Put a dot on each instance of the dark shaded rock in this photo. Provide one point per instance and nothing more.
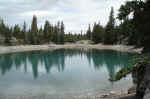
(142, 73)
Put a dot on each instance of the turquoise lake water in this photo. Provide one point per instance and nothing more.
(62, 73)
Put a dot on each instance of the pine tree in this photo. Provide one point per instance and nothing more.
(58, 32)
(24, 33)
(81, 35)
(41, 35)
(2, 27)
(89, 33)
(7, 35)
(34, 31)
(109, 30)
(62, 31)
(46, 31)
(97, 34)
(55, 34)
(16, 31)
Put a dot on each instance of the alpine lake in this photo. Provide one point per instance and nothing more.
(61, 73)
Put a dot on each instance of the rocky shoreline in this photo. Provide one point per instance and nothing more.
(114, 94)
(23, 48)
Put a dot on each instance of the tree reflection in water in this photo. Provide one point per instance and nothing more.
(49, 59)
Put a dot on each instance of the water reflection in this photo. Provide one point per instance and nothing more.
(49, 59)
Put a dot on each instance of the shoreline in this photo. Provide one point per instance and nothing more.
(50, 47)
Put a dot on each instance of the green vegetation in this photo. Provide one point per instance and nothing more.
(33, 35)
(136, 31)
(144, 58)
(119, 75)
(110, 36)
(98, 33)
(89, 33)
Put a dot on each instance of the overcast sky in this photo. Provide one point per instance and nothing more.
(76, 14)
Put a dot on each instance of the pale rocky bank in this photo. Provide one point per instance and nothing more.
(23, 48)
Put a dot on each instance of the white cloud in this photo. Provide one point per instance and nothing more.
(76, 14)
(38, 13)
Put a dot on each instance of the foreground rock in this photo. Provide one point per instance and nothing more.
(142, 73)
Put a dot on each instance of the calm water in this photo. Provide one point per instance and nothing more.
(61, 73)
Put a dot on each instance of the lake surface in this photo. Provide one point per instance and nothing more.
(61, 73)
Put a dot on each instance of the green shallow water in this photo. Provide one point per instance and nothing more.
(62, 73)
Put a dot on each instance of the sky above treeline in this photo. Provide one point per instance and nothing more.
(76, 14)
